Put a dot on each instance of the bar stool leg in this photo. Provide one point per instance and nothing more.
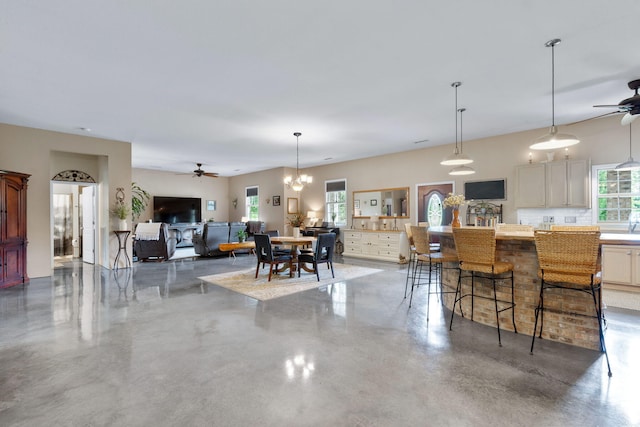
(495, 301)
(599, 317)
(539, 308)
(513, 306)
(456, 299)
(410, 269)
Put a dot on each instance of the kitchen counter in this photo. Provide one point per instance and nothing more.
(519, 249)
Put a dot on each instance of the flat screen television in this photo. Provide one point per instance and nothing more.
(486, 190)
(173, 210)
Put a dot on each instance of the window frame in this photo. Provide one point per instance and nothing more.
(596, 196)
(339, 205)
(251, 202)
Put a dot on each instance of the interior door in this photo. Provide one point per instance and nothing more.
(427, 193)
(88, 224)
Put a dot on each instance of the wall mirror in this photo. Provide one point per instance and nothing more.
(386, 202)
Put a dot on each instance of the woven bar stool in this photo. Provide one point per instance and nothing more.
(476, 248)
(569, 260)
(426, 256)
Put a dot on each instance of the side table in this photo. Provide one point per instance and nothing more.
(122, 236)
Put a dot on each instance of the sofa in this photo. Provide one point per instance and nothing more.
(157, 250)
(213, 233)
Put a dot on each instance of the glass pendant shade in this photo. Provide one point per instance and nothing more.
(554, 140)
(456, 159)
(462, 170)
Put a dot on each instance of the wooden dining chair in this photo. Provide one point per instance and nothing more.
(323, 254)
(265, 255)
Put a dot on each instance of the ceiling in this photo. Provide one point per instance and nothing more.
(227, 82)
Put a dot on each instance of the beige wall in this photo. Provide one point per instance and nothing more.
(158, 183)
(43, 154)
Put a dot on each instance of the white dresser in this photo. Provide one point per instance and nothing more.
(377, 244)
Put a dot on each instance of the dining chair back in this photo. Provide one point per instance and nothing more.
(266, 255)
(323, 254)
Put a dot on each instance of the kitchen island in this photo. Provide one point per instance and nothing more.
(519, 248)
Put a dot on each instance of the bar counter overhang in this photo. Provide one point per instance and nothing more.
(574, 326)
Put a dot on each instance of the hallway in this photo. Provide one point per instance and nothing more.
(153, 345)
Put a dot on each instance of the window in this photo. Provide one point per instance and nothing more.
(336, 202)
(434, 209)
(252, 204)
(618, 194)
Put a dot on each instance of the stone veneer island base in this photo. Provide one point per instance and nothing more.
(579, 329)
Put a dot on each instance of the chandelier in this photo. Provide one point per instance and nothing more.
(300, 181)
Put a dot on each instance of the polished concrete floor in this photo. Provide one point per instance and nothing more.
(153, 346)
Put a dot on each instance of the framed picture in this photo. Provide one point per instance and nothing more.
(292, 205)
(276, 200)
(374, 202)
(211, 205)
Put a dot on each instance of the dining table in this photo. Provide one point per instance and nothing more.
(294, 243)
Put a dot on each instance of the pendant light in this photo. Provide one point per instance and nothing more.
(300, 181)
(630, 163)
(553, 140)
(462, 169)
(457, 157)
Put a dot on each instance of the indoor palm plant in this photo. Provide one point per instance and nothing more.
(139, 200)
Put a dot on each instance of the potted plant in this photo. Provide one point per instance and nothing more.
(295, 221)
(242, 235)
(139, 200)
(121, 211)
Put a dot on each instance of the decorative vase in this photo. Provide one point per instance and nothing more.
(296, 232)
(456, 221)
(122, 224)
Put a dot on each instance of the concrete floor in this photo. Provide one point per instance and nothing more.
(82, 348)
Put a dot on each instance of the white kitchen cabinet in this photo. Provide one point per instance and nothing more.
(621, 267)
(561, 184)
(376, 244)
(567, 184)
(530, 185)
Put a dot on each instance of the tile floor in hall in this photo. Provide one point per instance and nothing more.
(82, 348)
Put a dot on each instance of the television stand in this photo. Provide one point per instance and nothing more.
(184, 232)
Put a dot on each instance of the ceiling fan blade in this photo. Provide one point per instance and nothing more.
(210, 174)
(595, 117)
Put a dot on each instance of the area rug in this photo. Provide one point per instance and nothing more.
(244, 281)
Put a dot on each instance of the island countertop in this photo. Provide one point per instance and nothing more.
(605, 238)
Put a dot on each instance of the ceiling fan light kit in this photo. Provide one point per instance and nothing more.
(553, 140)
(297, 183)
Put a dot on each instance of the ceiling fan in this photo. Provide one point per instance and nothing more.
(199, 172)
(629, 106)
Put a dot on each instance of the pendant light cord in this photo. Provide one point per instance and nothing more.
(553, 84)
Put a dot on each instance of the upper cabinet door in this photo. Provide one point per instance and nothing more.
(568, 184)
(578, 184)
(530, 186)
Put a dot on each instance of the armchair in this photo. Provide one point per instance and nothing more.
(157, 250)
(213, 233)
